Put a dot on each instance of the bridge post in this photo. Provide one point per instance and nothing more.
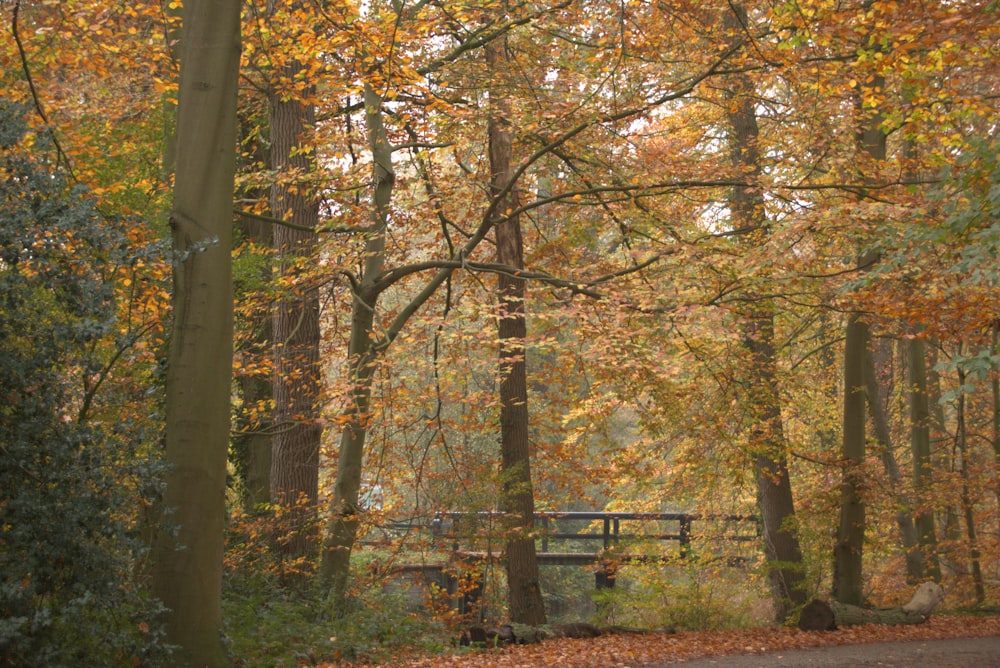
(465, 582)
(684, 537)
(606, 574)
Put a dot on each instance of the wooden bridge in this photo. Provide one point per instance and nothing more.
(473, 538)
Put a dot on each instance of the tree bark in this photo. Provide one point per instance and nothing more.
(920, 447)
(524, 597)
(296, 331)
(342, 522)
(762, 399)
(877, 395)
(848, 551)
(187, 565)
(995, 386)
(251, 453)
(254, 444)
(968, 510)
(828, 616)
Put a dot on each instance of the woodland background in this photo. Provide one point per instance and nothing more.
(712, 257)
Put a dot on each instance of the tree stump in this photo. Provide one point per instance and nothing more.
(817, 616)
(827, 616)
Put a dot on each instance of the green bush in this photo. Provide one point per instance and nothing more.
(68, 487)
(686, 596)
(268, 624)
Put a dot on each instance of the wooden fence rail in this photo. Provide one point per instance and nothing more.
(461, 534)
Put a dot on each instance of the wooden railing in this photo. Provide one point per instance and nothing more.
(469, 537)
(609, 535)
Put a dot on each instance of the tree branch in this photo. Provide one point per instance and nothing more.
(323, 229)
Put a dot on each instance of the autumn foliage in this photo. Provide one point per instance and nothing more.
(707, 194)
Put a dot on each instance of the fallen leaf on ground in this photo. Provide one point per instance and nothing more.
(636, 651)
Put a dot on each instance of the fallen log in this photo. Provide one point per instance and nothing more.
(522, 634)
(820, 615)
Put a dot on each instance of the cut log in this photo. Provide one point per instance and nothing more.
(574, 630)
(928, 595)
(822, 616)
(523, 634)
(817, 616)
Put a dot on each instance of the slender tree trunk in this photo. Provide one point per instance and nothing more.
(774, 490)
(524, 596)
(962, 457)
(251, 453)
(995, 385)
(920, 446)
(762, 397)
(187, 565)
(174, 20)
(920, 420)
(253, 444)
(848, 553)
(880, 424)
(297, 377)
(342, 523)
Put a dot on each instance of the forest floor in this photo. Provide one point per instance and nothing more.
(707, 648)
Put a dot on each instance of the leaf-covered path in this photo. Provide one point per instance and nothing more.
(634, 651)
(939, 653)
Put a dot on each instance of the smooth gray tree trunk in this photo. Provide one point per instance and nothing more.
(187, 566)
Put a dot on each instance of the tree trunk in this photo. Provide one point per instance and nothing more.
(296, 331)
(828, 616)
(187, 565)
(342, 523)
(251, 454)
(252, 446)
(524, 597)
(995, 385)
(962, 457)
(877, 396)
(920, 446)
(762, 399)
(848, 551)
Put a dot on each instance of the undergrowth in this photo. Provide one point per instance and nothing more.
(691, 596)
(270, 625)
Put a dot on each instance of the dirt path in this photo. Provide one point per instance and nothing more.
(952, 653)
(944, 641)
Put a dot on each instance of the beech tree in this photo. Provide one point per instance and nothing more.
(524, 594)
(297, 429)
(762, 400)
(187, 559)
(421, 279)
(698, 211)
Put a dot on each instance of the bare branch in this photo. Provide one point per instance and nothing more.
(323, 229)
